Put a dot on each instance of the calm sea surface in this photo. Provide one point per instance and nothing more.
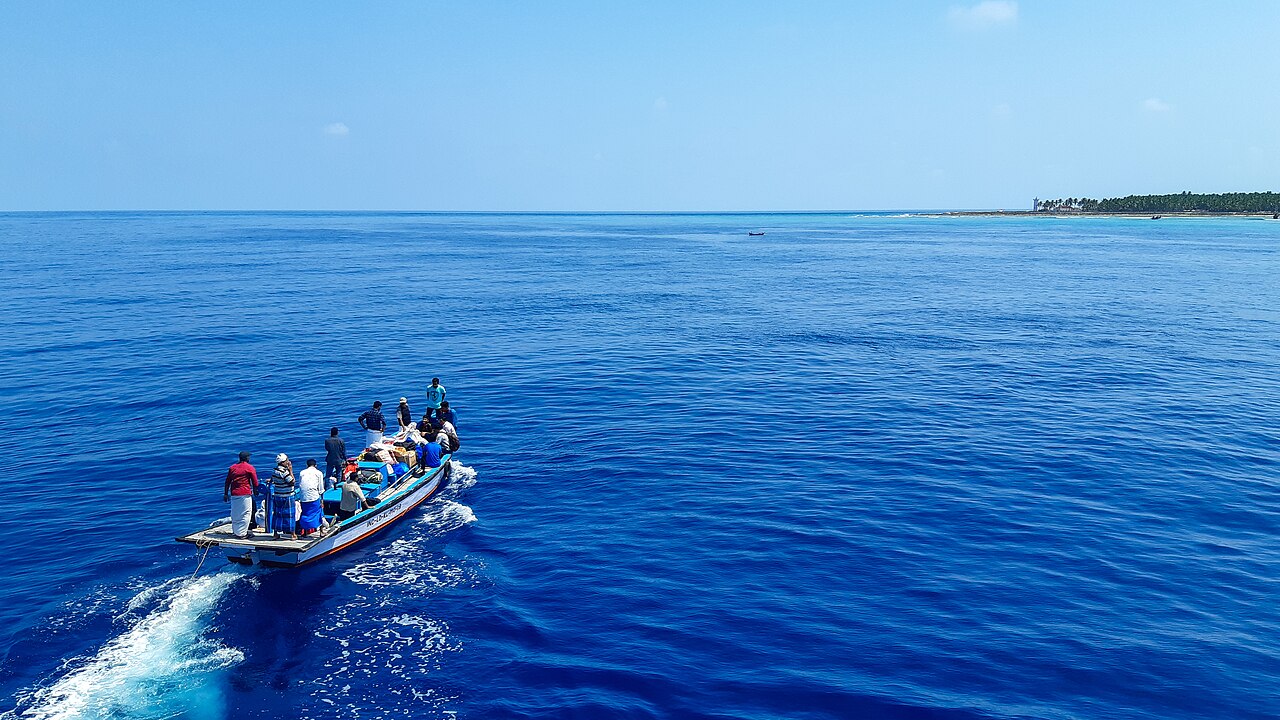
(859, 467)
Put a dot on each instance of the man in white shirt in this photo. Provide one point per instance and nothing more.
(310, 506)
(311, 482)
(447, 429)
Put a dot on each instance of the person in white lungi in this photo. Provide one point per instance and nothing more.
(241, 484)
(373, 424)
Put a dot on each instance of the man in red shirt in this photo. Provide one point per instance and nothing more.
(239, 490)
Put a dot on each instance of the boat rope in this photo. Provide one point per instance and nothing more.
(207, 547)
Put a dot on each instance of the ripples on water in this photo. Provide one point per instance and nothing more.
(858, 467)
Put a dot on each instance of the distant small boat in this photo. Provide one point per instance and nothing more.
(755, 234)
(1155, 217)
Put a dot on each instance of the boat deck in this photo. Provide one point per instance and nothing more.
(388, 501)
(221, 535)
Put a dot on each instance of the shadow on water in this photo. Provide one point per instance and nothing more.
(274, 624)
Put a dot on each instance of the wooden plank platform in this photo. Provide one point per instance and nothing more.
(222, 535)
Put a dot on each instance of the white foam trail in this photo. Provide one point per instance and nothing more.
(405, 563)
(402, 565)
(147, 595)
(397, 651)
(461, 477)
(152, 670)
(448, 516)
(77, 611)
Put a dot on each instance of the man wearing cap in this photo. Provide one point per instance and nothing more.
(373, 424)
(241, 484)
(403, 414)
(435, 394)
(284, 510)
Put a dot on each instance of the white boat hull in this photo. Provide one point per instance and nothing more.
(268, 552)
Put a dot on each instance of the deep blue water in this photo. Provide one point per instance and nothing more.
(859, 467)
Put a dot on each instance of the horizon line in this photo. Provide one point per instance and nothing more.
(511, 212)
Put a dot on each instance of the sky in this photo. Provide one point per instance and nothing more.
(638, 106)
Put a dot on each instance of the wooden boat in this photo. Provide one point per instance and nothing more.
(755, 234)
(396, 494)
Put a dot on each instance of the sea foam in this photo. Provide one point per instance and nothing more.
(160, 667)
(407, 561)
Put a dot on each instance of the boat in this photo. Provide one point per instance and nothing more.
(755, 234)
(392, 481)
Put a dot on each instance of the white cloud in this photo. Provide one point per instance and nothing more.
(336, 129)
(986, 14)
(1155, 105)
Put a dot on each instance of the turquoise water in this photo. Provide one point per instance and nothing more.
(862, 466)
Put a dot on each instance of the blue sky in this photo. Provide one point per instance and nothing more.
(631, 106)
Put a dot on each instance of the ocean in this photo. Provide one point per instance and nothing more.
(862, 466)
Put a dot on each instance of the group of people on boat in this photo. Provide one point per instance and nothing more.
(296, 502)
(374, 424)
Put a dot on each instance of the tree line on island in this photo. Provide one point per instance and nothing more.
(1255, 202)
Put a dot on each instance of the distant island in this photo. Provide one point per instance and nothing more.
(1184, 203)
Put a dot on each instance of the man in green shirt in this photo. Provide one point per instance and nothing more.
(435, 394)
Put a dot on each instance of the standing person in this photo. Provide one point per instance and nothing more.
(241, 484)
(404, 415)
(310, 491)
(373, 424)
(435, 394)
(283, 485)
(335, 453)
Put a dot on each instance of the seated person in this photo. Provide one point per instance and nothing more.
(443, 441)
(429, 454)
(353, 499)
(444, 414)
(444, 427)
